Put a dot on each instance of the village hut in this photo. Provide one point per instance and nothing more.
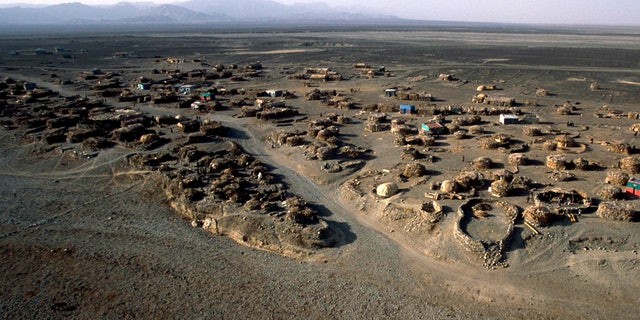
(616, 178)
(294, 141)
(488, 143)
(549, 145)
(518, 159)
(594, 86)
(564, 110)
(615, 210)
(387, 189)
(467, 120)
(460, 134)
(410, 154)
(482, 163)
(562, 176)
(581, 163)
(630, 164)
(449, 186)
(350, 152)
(500, 188)
(432, 211)
(452, 127)
(324, 134)
(557, 162)
(469, 179)
(522, 182)
(422, 140)
(541, 92)
(481, 210)
(149, 139)
(619, 147)
(501, 139)
(476, 129)
(553, 196)
(609, 192)
(538, 216)
(324, 153)
(564, 141)
(531, 131)
(635, 127)
(414, 170)
(502, 174)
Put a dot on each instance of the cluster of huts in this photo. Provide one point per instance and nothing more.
(321, 140)
(204, 185)
(319, 74)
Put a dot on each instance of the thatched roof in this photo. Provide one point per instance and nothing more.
(414, 170)
(448, 186)
(564, 140)
(503, 174)
(500, 188)
(538, 216)
(531, 131)
(518, 159)
(556, 162)
(615, 210)
(630, 164)
(468, 179)
(609, 192)
(482, 163)
(617, 178)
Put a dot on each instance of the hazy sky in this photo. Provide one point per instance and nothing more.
(625, 12)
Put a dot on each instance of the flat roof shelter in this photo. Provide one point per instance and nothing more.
(633, 187)
(207, 96)
(508, 119)
(186, 89)
(391, 92)
(432, 127)
(407, 109)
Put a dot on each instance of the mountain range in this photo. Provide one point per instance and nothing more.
(190, 12)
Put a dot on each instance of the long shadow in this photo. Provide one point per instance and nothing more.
(236, 134)
(343, 229)
(321, 210)
(517, 240)
(534, 162)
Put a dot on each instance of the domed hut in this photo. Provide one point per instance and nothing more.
(630, 164)
(387, 189)
(564, 141)
(557, 162)
(518, 159)
(500, 188)
(414, 170)
(538, 216)
(616, 178)
(448, 186)
(502, 174)
(615, 210)
(531, 131)
(468, 179)
(482, 163)
(609, 192)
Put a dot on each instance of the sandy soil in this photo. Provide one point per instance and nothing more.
(93, 237)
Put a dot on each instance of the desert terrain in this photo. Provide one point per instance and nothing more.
(238, 173)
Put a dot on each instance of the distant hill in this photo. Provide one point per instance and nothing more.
(190, 12)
